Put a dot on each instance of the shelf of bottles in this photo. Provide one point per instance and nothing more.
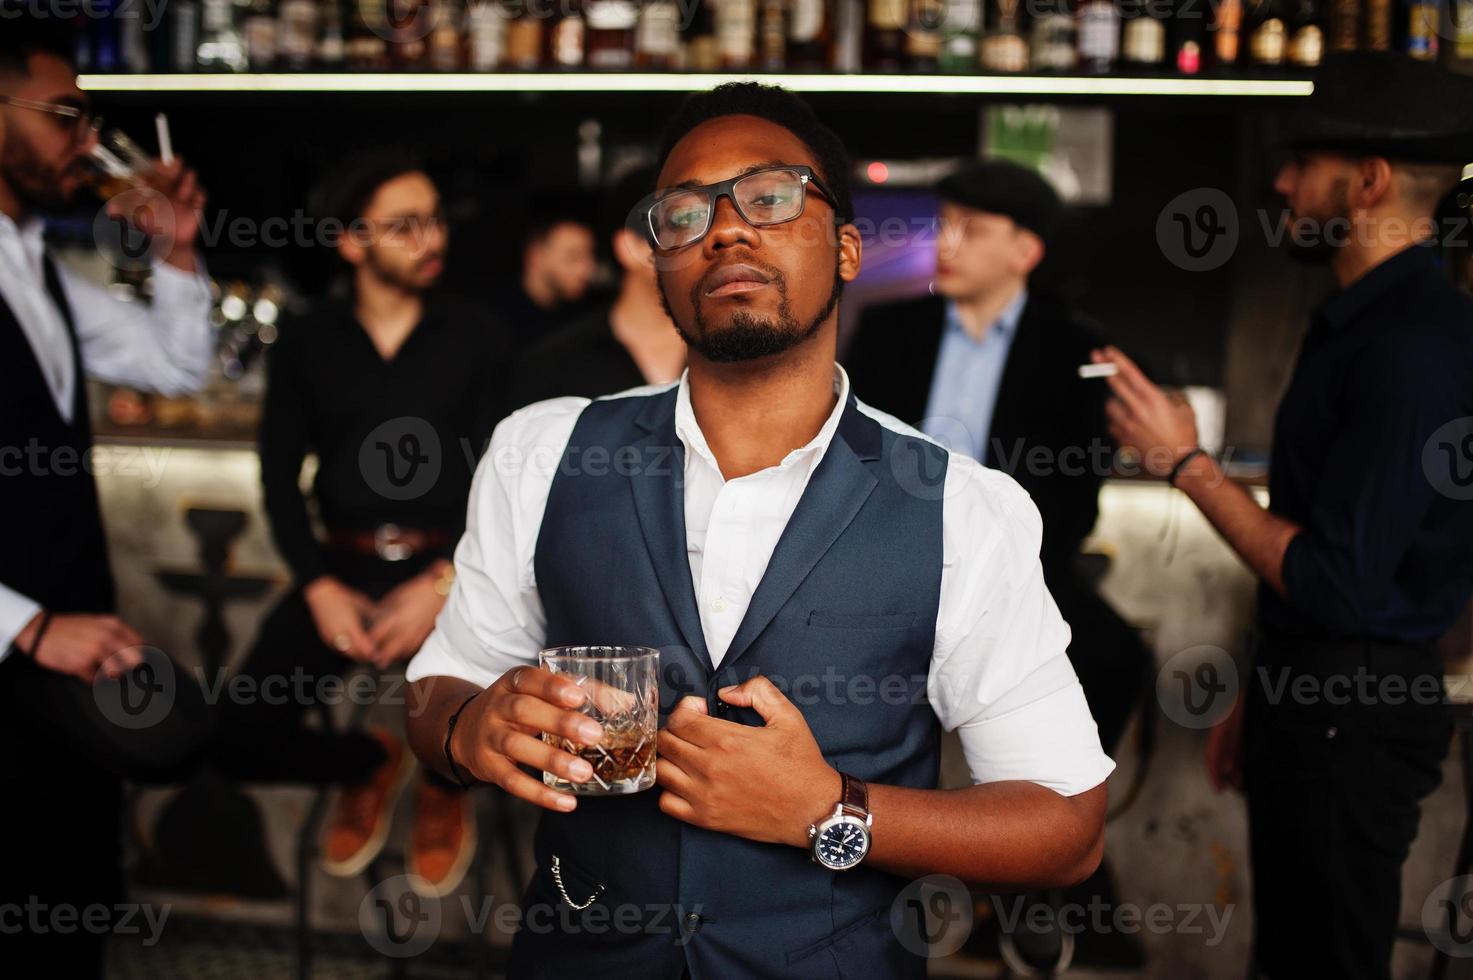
(1064, 47)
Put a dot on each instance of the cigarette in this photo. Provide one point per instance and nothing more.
(166, 144)
(1106, 370)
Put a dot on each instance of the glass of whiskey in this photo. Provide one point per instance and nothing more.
(623, 690)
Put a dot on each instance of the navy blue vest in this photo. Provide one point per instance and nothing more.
(843, 620)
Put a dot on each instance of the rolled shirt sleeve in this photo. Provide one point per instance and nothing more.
(493, 620)
(1000, 674)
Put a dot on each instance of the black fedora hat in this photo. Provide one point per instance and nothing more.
(1387, 104)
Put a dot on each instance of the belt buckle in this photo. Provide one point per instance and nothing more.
(386, 543)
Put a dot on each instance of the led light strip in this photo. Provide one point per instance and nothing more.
(686, 82)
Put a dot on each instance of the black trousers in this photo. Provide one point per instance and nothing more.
(1342, 741)
(60, 846)
(290, 674)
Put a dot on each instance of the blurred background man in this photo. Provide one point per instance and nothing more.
(559, 262)
(58, 630)
(395, 387)
(620, 345)
(1363, 553)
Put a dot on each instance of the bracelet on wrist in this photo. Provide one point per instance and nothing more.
(40, 634)
(455, 770)
(1181, 464)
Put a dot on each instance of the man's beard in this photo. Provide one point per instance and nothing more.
(747, 336)
(406, 280)
(30, 182)
(1330, 233)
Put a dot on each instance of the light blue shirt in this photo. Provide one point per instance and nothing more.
(967, 376)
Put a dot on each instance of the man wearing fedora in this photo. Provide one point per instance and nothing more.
(1363, 554)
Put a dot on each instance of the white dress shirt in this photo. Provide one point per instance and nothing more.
(166, 347)
(998, 673)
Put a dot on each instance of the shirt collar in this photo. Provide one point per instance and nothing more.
(690, 433)
(1346, 304)
(1004, 326)
(30, 233)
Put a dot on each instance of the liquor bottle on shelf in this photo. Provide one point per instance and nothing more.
(183, 34)
(366, 47)
(1055, 42)
(100, 42)
(1421, 40)
(961, 25)
(1227, 25)
(296, 34)
(772, 35)
(1376, 24)
(923, 35)
(523, 37)
(330, 50)
(612, 26)
(1267, 36)
(447, 37)
(1343, 23)
(657, 38)
(884, 34)
(567, 36)
(1099, 35)
(485, 28)
(736, 33)
(220, 44)
(1461, 15)
(259, 31)
(1004, 48)
(1143, 38)
(699, 50)
(811, 34)
(1186, 37)
(410, 23)
(1306, 35)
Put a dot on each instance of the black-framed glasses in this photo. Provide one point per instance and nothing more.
(81, 119)
(682, 216)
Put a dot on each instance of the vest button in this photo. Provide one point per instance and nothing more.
(693, 921)
(722, 707)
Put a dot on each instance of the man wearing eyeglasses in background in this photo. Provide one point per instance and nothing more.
(764, 530)
(57, 628)
(395, 387)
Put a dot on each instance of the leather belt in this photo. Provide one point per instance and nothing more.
(389, 542)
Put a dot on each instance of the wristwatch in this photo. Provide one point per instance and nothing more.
(841, 840)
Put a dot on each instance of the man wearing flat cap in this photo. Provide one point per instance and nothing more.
(988, 366)
(1365, 553)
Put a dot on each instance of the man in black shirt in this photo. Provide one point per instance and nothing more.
(395, 388)
(1366, 552)
(618, 346)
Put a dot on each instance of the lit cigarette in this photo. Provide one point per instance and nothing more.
(1107, 370)
(166, 144)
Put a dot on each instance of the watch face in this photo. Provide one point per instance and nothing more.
(842, 844)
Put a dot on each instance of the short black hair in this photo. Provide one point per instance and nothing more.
(552, 208)
(781, 107)
(345, 192)
(22, 34)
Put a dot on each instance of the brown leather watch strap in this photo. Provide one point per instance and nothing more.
(855, 795)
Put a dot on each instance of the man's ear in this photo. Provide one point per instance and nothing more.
(631, 251)
(1030, 250)
(1372, 181)
(851, 251)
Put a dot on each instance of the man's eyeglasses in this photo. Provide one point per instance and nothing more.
(771, 196)
(81, 120)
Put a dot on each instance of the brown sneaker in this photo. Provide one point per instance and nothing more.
(358, 824)
(442, 840)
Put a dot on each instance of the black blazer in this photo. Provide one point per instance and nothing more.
(1048, 428)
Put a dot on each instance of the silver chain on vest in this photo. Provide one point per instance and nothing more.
(557, 877)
